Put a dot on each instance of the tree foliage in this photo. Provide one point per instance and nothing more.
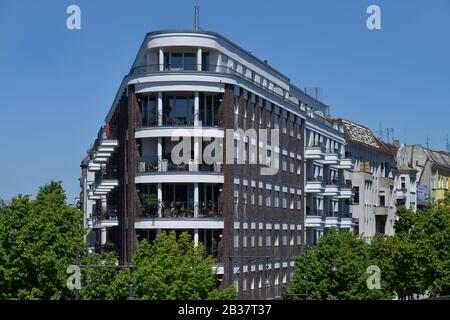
(417, 259)
(38, 241)
(349, 281)
(170, 269)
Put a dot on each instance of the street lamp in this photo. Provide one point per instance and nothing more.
(131, 285)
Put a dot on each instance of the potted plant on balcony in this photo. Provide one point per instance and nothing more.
(151, 205)
(211, 209)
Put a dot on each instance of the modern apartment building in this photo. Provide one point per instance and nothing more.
(433, 171)
(262, 171)
(373, 180)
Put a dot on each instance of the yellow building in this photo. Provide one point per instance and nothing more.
(433, 171)
(440, 181)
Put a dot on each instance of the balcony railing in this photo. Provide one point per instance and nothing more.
(248, 75)
(177, 121)
(314, 212)
(153, 164)
(111, 213)
(108, 173)
(186, 209)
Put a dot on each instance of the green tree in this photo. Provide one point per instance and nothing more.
(416, 260)
(170, 269)
(97, 277)
(349, 281)
(38, 240)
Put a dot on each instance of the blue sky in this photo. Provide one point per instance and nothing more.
(57, 85)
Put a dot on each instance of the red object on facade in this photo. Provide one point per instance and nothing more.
(107, 131)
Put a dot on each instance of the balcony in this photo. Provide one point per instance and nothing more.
(184, 215)
(105, 144)
(105, 219)
(245, 74)
(315, 219)
(314, 152)
(154, 165)
(151, 170)
(401, 193)
(330, 158)
(345, 163)
(331, 189)
(315, 185)
(345, 192)
(332, 221)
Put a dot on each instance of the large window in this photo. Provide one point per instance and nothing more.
(209, 109)
(148, 110)
(178, 110)
(180, 61)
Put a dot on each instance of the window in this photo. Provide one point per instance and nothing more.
(291, 127)
(283, 163)
(236, 238)
(252, 196)
(260, 232)
(277, 238)
(148, 111)
(205, 61)
(179, 108)
(284, 238)
(364, 166)
(180, 61)
(275, 121)
(283, 125)
(252, 239)
(291, 165)
(284, 200)
(276, 200)
(268, 118)
(292, 237)
(277, 274)
(299, 131)
(260, 197)
(382, 200)
(356, 196)
(267, 198)
(403, 182)
(209, 109)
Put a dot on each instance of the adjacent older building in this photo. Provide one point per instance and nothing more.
(280, 180)
(373, 180)
(433, 171)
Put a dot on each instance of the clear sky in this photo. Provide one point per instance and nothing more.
(58, 84)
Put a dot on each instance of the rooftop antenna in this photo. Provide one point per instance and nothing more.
(380, 132)
(197, 17)
(388, 131)
(428, 142)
